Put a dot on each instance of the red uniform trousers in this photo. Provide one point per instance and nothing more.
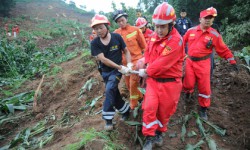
(198, 71)
(159, 104)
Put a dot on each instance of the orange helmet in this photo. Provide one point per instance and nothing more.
(163, 14)
(211, 11)
(140, 22)
(99, 19)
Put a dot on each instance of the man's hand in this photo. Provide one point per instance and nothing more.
(124, 70)
(142, 73)
(130, 65)
(235, 68)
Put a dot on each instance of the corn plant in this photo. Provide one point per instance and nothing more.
(17, 102)
(89, 135)
(32, 137)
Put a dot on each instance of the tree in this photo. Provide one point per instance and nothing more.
(5, 7)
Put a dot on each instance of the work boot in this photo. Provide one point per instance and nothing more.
(149, 143)
(158, 139)
(125, 116)
(203, 113)
(109, 125)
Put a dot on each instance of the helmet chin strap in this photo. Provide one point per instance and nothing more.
(106, 25)
(170, 28)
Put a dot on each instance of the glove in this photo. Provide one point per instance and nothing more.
(124, 70)
(235, 68)
(130, 65)
(142, 73)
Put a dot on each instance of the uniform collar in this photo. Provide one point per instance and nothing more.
(208, 29)
(166, 37)
(127, 26)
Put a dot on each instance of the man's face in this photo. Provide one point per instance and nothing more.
(138, 14)
(101, 30)
(122, 22)
(143, 29)
(183, 14)
(161, 30)
(207, 21)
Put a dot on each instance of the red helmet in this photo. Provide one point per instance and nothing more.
(214, 11)
(140, 22)
(211, 11)
(163, 14)
(99, 19)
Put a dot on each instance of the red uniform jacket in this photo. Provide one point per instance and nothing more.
(197, 40)
(165, 56)
(148, 34)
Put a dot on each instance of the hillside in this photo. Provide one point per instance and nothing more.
(72, 82)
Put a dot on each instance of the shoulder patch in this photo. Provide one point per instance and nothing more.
(215, 33)
(192, 34)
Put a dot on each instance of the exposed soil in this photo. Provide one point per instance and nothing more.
(229, 108)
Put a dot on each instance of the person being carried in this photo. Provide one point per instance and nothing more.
(108, 48)
(164, 58)
(202, 39)
(136, 44)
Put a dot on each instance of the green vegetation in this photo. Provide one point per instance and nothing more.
(109, 140)
(6, 6)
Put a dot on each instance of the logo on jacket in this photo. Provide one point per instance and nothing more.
(113, 48)
(166, 50)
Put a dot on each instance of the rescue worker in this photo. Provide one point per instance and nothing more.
(201, 40)
(164, 58)
(15, 31)
(142, 24)
(183, 23)
(6, 28)
(136, 44)
(139, 15)
(216, 27)
(108, 48)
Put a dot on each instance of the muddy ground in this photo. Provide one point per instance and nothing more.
(229, 107)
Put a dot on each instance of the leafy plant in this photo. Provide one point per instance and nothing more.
(17, 102)
(91, 134)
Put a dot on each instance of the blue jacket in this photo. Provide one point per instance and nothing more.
(183, 25)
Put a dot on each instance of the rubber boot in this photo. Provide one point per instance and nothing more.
(158, 139)
(109, 125)
(203, 113)
(149, 143)
(125, 116)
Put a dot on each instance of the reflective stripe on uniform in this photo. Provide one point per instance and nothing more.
(108, 115)
(134, 96)
(204, 96)
(230, 59)
(124, 108)
(215, 33)
(152, 123)
(131, 34)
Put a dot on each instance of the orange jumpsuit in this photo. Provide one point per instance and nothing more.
(198, 63)
(135, 43)
(164, 57)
